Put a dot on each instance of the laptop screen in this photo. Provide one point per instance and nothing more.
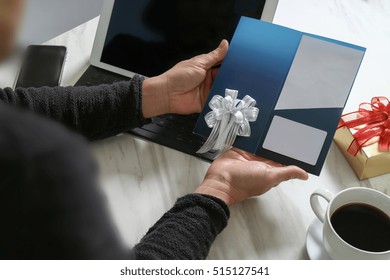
(150, 36)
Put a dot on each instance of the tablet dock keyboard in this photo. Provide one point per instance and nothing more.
(174, 131)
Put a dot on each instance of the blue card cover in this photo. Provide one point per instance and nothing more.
(300, 82)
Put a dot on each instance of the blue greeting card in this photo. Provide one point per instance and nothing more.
(300, 83)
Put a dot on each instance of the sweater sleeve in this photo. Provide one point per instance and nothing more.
(95, 112)
(51, 205)
(186, 231)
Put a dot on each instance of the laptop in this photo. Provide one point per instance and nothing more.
(148, 37)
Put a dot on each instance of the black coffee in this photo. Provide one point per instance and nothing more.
(363, 226)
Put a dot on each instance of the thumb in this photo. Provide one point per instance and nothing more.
(216, 56)
(285, 173)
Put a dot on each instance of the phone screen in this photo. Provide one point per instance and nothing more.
(41, 66)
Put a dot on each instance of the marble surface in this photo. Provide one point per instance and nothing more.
(142, 180)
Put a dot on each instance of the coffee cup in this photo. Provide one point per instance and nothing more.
(356, 223)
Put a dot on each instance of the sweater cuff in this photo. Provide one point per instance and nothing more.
(186, 231)
(220, 210)
(136, 93)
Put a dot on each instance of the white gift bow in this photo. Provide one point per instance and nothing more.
(229, 118)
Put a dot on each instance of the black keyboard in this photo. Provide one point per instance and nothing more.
(173, 131)
(94, 76)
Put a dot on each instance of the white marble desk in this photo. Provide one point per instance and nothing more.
(142, 180)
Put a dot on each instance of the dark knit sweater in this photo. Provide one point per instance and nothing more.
(51, 206)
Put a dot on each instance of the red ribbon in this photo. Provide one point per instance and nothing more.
(372, 125)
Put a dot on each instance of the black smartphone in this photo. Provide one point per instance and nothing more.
(41, 66)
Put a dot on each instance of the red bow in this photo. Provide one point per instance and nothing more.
(372, 123)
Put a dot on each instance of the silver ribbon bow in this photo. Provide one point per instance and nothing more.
(229, 118)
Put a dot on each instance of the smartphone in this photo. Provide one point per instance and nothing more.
(41, 66)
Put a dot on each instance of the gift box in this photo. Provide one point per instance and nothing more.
(364, 138)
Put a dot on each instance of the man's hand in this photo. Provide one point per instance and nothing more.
(237, 175)
(184, 88)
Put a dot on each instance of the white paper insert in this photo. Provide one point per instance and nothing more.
(295, 140)
(321, 75)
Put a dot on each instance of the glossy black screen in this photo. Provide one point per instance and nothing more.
(150, 36)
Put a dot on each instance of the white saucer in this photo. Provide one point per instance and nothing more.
(314, 245)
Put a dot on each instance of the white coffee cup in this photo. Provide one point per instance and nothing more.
(335, 246)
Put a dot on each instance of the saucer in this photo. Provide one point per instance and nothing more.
(314, 245)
